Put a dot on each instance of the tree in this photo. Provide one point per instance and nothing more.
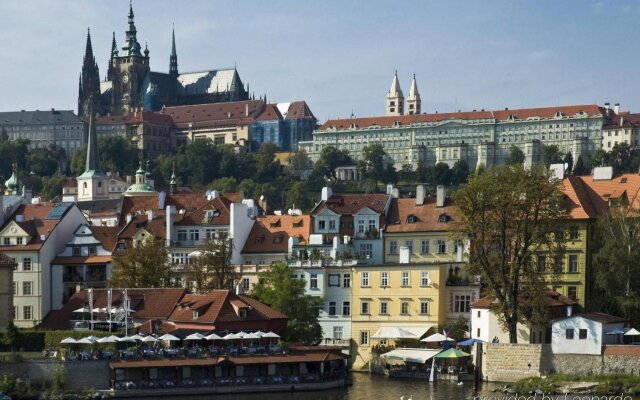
(580, 168)
(226, 184)
(371, 166)
(10, 336)
(515, 156)
(3, 135)
(45, 161)
(459, 172)
(406, 173)
(568, 160)
(279, 289)
(510, 216)
(115, 152)
(329, 159)
(52, 186)
(551, 155)
(616, 268)
(298, 196)
(212, 269)
(268, 167)
(298, 165)
(441, 174)
(145, 265)
(623, 159)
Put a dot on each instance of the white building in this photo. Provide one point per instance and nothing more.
(586, 333)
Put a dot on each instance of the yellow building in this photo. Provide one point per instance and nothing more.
(6, 290)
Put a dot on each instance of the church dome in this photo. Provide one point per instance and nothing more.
(12, 183)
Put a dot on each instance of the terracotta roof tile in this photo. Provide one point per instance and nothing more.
(216, 114)
(349, 204)
(426, 218)
(299, 110)
(107, 235)
(555, 299)
(602, 317)
(271, 233)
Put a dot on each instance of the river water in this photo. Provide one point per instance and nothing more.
(372, 387)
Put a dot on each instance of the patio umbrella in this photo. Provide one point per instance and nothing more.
(68, 340)
(149, 339)
(231, 336)
(617, 331)
(127, 339)
(453, 353)
(169, 338)
(270, 335)
(438, 337)
(241, 334)
(213, 336)
(470, 342)
(86, 340)
(251, 337)
(108, 339)
(632, 332)
(259, 333)
(83, 309)
(195, 336)
(137, 337)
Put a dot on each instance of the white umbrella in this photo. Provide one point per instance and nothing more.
(149, 339)
(241, 334)
(100, 310)
(169, 338)
(632, 332)
(94, 338)
(259, 333)
(108, 339)
(86, 340)
(68, 340)
(213, 336)
(84, 309)
(127, 339)
(615, 332)
(438, 337)
(195, 336)
(196, 253)
(137, 337)
(231, 336)
(271, 335)
(251, 336)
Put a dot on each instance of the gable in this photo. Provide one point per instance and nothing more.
(13, 230)
(326, 213)
(366, 211)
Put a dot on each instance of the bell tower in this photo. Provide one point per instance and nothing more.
(395, 98)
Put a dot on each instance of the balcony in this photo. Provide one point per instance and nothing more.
(322, 263)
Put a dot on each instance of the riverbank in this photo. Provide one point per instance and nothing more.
(575, 384)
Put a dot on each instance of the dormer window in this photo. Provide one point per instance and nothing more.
(277, 239)
(412, 219)
(443, 218)
(275, 224)
(195, 314)
(242, 313)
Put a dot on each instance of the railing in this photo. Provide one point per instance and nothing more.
(321, 263)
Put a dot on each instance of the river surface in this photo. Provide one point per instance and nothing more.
(371, 387)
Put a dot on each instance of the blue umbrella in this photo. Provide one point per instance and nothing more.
(470, 342)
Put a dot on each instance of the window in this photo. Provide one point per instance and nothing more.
(182, 236)
(384, 307)
(573, 263)
(334, 280)
(424, 307)
(26, 264)
(15, 288)
(384, 279)
(332, 308)
(364, 308)
(364, 337)
(542, 263)
(424, 279)
(242, 313)
(364, 279)
(27, 288)
(393, 247)
(361, 226)
(27, 312)
(479, 314)
(574, 234)
(346, 280)
(404, 308)
(409, 244)
(76, 251)
(337, 332)
(332, 224)
(461, 303)
(404, 278)
(195, 314)
(194, 235)
(424, 247)
(366, 249)
(582, 334)
(18, 240)
(346, 308)
(245, 283)
(442, 246)
(313, 281)
(572, 292)
(557, 264)
(569, 334)
(92, 250)
(7, 241)
(14, 313)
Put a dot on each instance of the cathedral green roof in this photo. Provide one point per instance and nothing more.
(13, 182)
(139, 188)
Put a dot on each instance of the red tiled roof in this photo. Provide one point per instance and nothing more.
(602, 317)
(554, 299)
(107, 235)
(349, 204)
(269, 113)
(503, 115)
(220, 208)
(216, 114)
(271, 233)
(70, 183)
(427, 216)
(298, 110)
(136, 118)
(6, 260)
(155, 227)
(589, 198)
(34, 223)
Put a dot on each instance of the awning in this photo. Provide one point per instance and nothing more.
(400, 332)
(420, 356)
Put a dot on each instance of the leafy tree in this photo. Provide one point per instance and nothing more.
(13, 151)
(441, 174)
(212, 269)
(77, 164)
(10, 336)
(623, 159)
(616, 269)
(515, 156)
(115, 152)
(3, 135)
(568, 160)
(371, 166)
(406, 173)
(299, 164)
(45, 161)
(459, 172)
(510, 215)
(52, 186)
(278, 289)
(580, 168)
(598, 159)
(145, 265)
(551, 155)
(268, 167)
(298, 196)
(226, 184)
(390, 175)
(329, 159)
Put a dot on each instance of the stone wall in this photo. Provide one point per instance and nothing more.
(505, 362)
(79, 374)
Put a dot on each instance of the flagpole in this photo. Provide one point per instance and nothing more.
(91, 307)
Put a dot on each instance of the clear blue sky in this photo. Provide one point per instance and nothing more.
(340, 55)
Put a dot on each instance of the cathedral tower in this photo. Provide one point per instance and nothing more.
(92, 184)
(395, 98)
(413, 101)
(173, 58)
(89, 85)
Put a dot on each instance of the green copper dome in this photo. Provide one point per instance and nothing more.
(12, 183)
(139, 188)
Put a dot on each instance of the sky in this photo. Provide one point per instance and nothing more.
(339, 55)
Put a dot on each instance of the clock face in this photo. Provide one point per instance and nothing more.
(13, 229)
(125, 78)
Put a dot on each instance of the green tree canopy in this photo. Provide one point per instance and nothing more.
(329, 159)
(510, 215)
(52, 186)
(278, 289)
(145, 265)
(371, 166)
(515, 156)
(45, 161)
(212, 269)
(551, 154)
(459, 172)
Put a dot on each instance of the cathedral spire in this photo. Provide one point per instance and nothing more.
(114, 46)
(88, 51)
(131, 46)
(173, 59)
(89, 86)
(395, 98)
(413, 101)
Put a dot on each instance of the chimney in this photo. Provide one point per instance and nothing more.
(149, 215)
(616, 109)
(19, 218)
(239, 289)
(246, 109)
(569, 311)
(419, 195)
(129, 217)
(162, 199)
(389, 188)
(405, 255)
(440, 195)
(169, 217)
(606, 108)
(326, 193)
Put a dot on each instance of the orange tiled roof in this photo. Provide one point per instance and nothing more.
(589, 198)
(299, 109)
(61, 260)
(216, 114)
(107, 235)
(554, 299)
(426, 216)
(349, 204)
(271, 233)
